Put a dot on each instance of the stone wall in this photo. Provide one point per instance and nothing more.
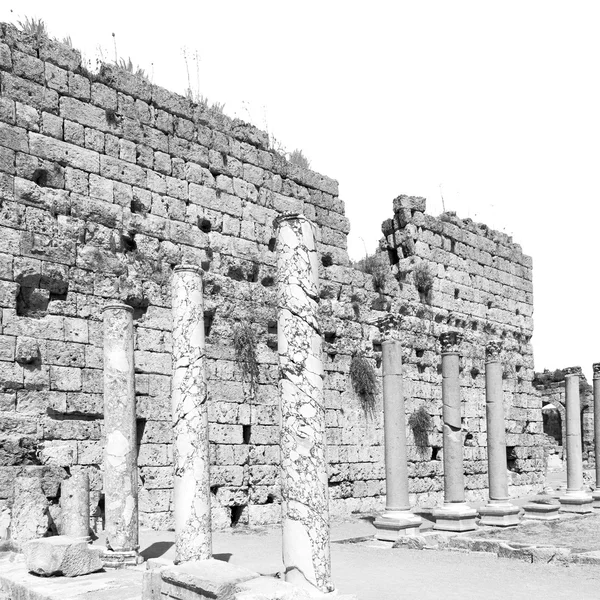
(106, 183)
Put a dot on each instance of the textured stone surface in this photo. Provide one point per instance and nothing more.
(75, 506)
(29, 518)
(61, 555)
(305, 502)
(190, 419)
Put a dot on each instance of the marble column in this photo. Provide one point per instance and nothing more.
(499, 511)
(305, 499)
(455, 514)
(193, 537)
(120, 451)
(75, 506)
(596, 383)
(397, 519)
(575, 499)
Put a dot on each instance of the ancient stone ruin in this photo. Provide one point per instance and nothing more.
(107, 185)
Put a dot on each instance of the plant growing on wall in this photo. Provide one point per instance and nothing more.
(374, 265)
(244, 345)
(420, 422)
(423, 278)
(297, 158)
(364, 382)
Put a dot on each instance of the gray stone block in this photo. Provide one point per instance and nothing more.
(61, 555)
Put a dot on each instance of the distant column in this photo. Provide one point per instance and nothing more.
(305, 499)
(120, 451)
(193, 536)
(575, 499)
(397, 519)
(596, 382)
(499, 511)
(75, 506)
(455, 514)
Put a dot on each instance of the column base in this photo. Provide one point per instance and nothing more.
(596, 498)
(395, 523)
(457, 516)
(576, 502)
(499, 514)
(541, 512)
(120, 560)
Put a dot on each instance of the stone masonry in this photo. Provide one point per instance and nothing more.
(107, 183)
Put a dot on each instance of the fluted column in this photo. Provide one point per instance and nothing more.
(120, 451)
(305, 499)
(75, 506)
(499, 511)
(193, 538)
(596, 384)
(397, 518)
(575, 498)
(455, 514)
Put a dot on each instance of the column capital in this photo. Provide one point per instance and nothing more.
(572, 371)
(388, 326)
(493, 350)
(596, 368)
(188, 267)
(117, 306)
(289, 216)
(451, 340)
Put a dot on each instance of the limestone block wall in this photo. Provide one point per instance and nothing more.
(106, 184)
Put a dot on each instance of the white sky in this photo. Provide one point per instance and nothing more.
(496, 102)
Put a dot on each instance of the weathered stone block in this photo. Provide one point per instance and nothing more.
(29, 518)
(61, 555)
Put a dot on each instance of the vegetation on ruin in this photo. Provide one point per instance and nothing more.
(558, 375)
(297, 158)
(33, 26)
(364, 382)
(244, 345)
(193, 93)
(374, 265)
(423, 278)
(420, 422)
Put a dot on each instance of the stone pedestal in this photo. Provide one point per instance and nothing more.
(596, 382)
(75, 506)
(575, 500)
(305, 500)
(541, 512)
(455, 514)
(193, 540)
(397, 519)
(120, 452)
(499, 511)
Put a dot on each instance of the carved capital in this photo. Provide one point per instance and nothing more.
(389, 326)
(493, 350)
(572, 371)
(596, 367)
(451, 340)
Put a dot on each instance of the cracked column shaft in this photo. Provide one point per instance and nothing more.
(120, 451)
(573, 418)
(596, 383)
(193, 536)
(75, 506)
(305, 499)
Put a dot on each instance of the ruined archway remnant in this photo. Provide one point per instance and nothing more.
(397, 519)
(455, 514)
(193, 540)
(120, 451)
(305, 499)
(575, 499)
(596, 384)
(499, 511)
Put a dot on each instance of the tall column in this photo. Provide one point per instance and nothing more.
(455, 514)
(120, 451)
(499, 511)
(575, 498)
(193, 538)
(397, 519)
(596, 383)
(305, 499)
(75, 506)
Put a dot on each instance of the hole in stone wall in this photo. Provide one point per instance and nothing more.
(205, 225)
(272, 327)
(377, 347)
(137, 207)
(329, 337)
(272, 343)
(253, 273)
(419, 352)
(439, 318)
(434, 452)
(214, 489)
(40, 177)
(272, 244)
(407, 249)
(456, 293)
(511, 459)
(489, 304)
(518, 368)
(378, 360)
(128, 242)
(517, 312)
(474, 372)
(139, 305)
(236, 273)
(209, 316)
(246, 430)
(421, 367)
(326, 260)
(236, 514)
(393, 256)
(205, 265)
(474, 326)
(270, 499)
(267, 281)
(452, 245)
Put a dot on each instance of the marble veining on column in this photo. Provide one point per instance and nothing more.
(120, 452)
(305, 500)
(190, 419)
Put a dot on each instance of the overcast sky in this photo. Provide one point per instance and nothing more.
(494, 105)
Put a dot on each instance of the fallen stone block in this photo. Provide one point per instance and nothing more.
(61, 555)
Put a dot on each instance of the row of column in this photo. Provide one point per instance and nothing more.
(305, 502)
